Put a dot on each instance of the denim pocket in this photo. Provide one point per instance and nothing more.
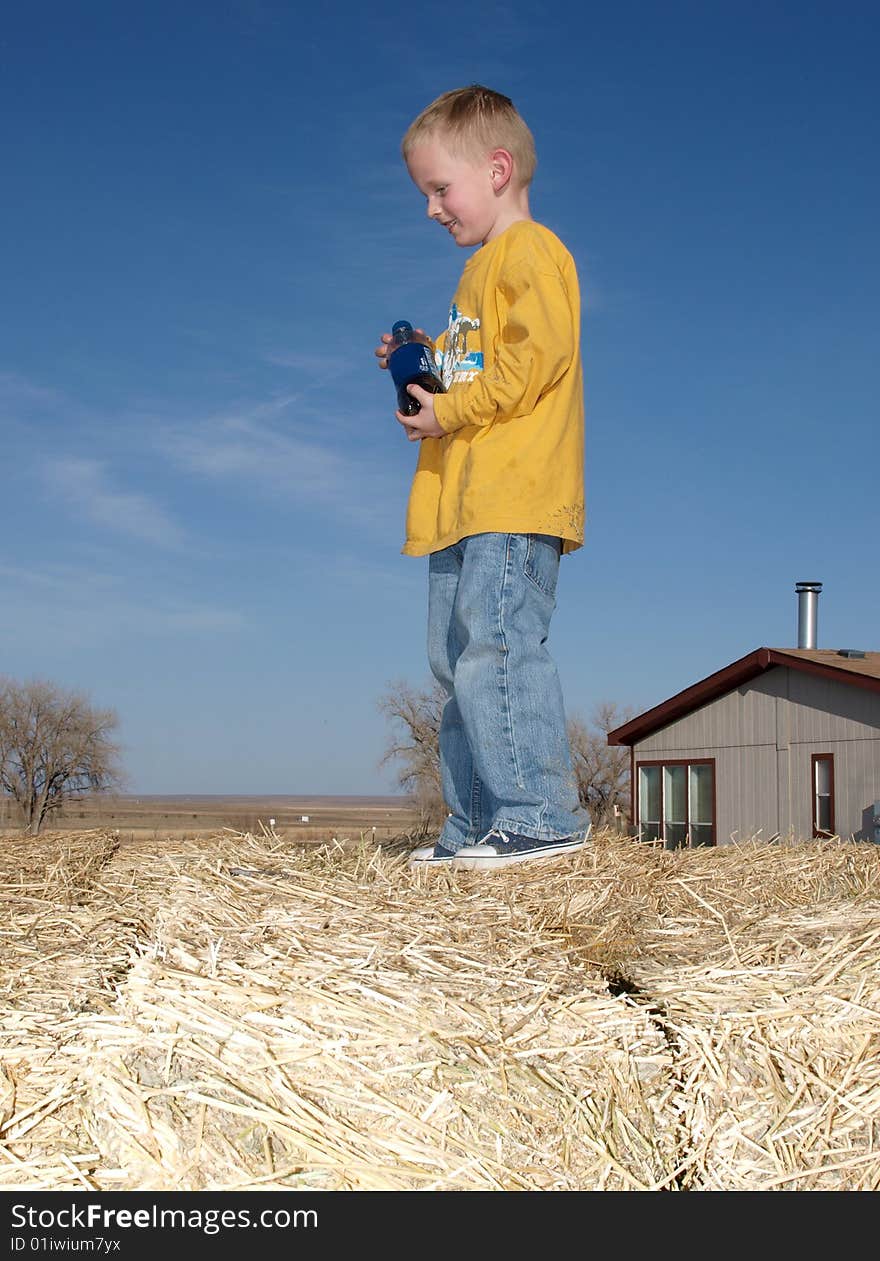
(541, 564)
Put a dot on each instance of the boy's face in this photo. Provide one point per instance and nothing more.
(460, 192)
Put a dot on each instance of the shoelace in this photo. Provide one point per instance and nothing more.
(505, 839)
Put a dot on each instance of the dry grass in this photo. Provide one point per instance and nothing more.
(244, 1012)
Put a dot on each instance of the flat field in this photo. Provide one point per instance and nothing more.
(296, 818)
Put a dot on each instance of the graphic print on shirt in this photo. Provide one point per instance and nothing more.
(460, 363)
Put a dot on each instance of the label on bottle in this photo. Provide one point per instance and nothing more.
(411, 360)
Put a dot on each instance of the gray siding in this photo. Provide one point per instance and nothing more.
(762, 736)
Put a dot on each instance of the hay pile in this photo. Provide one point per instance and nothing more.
(244, 1013)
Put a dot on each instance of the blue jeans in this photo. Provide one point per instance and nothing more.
(504, 755)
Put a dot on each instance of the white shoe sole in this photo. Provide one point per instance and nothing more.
(493, 858)
(424, 857)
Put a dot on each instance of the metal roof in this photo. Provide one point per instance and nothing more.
(826, 662)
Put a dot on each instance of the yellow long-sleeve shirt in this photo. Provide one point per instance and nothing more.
(512, 458)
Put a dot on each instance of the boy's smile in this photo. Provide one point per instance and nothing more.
(462, 194)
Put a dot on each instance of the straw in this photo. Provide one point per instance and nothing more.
(235, 1011)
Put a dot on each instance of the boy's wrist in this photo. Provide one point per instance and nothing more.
(441, 406)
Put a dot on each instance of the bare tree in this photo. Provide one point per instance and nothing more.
(54, 747)
(415, 746)
(602, 770)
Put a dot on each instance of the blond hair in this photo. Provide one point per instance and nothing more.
(473, 121)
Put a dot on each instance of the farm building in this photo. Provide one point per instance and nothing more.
(784, 742)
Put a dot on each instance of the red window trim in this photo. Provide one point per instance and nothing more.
(814, 758)
(676, 761)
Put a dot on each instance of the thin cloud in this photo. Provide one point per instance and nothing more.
(60, 580)
(319, 367)
(247, 448)
(97, 605)
(86, 488)
(17, 391)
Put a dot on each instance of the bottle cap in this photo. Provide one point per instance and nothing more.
(402, 326)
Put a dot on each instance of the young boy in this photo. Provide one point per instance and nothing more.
(498, 492)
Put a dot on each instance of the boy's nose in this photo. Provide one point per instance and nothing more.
(433, 208)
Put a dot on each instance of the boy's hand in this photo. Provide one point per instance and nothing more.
(381, 351)
(423, 424)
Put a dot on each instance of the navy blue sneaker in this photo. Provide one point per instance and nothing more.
(430, 855)
(503, 849)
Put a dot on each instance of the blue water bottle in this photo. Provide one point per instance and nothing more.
(410, 358)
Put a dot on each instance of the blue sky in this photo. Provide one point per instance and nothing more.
(205, 227)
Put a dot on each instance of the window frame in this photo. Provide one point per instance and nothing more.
(662, 763)
(819, 832)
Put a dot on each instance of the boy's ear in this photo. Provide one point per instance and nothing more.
(500, 168)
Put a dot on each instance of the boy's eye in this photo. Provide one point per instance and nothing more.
(440, 190)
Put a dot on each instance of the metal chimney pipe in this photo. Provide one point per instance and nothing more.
(808, 600)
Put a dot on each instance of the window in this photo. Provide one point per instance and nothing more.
(822, 765)
(675, 807)
(677, 803)
(650, 809)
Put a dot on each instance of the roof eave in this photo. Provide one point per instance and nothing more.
(692, 697)
(715, 685)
